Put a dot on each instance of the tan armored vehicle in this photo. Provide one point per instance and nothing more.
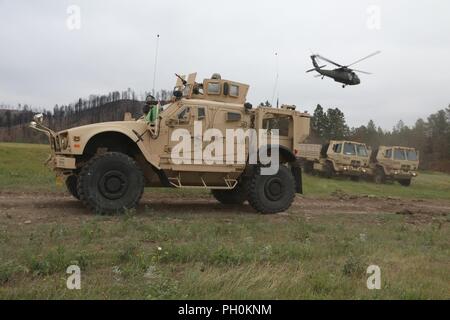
(346, 158)
(394, 163)
(199, 140)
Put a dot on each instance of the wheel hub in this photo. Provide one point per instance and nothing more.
(113, 184)
(274, 189)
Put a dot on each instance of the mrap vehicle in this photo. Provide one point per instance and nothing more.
(338, 157)
(107, 165)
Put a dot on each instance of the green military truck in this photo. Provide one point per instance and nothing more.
(338, 157)
(394, 163)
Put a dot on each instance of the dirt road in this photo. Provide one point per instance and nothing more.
(33, 205)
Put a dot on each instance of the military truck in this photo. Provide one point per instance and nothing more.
(107, 165)
(345, 158)
(394, 163)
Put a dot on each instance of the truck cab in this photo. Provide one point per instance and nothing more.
(394, 163)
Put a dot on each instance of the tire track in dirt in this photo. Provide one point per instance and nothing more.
(41, 205)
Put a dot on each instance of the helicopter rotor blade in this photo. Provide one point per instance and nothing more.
(367, 57)
(313, 69)
(365, 72)
(328, 60)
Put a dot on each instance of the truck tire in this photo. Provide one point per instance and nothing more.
(405, 182)
(71, 184)
(380, 177)
(111, 183)
(271, 194)
(236, 196)
(329, 170)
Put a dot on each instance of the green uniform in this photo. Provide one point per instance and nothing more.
(152, 115)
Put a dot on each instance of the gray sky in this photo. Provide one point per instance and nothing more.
(42, 62)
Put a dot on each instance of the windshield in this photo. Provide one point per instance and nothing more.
(399, 154)
(411, 155)
(349, 149)
(361, 150)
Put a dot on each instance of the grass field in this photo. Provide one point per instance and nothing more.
(198, 253)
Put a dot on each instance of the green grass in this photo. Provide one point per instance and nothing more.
(21, 168)
(229, 255)
(201, 256)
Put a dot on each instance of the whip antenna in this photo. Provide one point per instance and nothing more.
(275, 87)
(156, 63)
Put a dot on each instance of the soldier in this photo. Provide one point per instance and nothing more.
(150, 109)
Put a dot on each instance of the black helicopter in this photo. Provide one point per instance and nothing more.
(342, 74)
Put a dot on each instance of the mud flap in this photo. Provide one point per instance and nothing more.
(297, 173)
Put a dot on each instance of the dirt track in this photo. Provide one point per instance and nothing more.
(32, 205)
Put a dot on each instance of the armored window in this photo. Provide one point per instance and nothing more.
(411, 155)
(361, 150)
(234, 90)
(349, 149)
(183, 115)
(399, 154)
(280, 123)
(213, 88)
(388, 153)
(201, 113)
(337, 148)
(233, 116)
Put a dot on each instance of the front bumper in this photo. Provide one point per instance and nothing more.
(398, 175)
(62, 162)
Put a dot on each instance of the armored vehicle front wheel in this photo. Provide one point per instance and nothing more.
(234, 196)
(271, 194)
(405, 182)
(111, 183)
(71, 184)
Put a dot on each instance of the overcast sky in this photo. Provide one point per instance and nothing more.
(43, 62)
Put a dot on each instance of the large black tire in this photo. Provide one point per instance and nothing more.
(236, 196)
(329, 170)
(380, 177)
(405, 182)
(71, 184)
(111, 183)
(271, 194)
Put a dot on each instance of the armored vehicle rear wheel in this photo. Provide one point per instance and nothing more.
(405, 182)
(379, 176)
(71, 184)
(271, 194)
(111, 183)
(229, 197)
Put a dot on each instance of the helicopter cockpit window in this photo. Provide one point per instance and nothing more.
(213, 88)
(234, 90)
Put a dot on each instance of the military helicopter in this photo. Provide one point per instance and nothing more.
(342, 74)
